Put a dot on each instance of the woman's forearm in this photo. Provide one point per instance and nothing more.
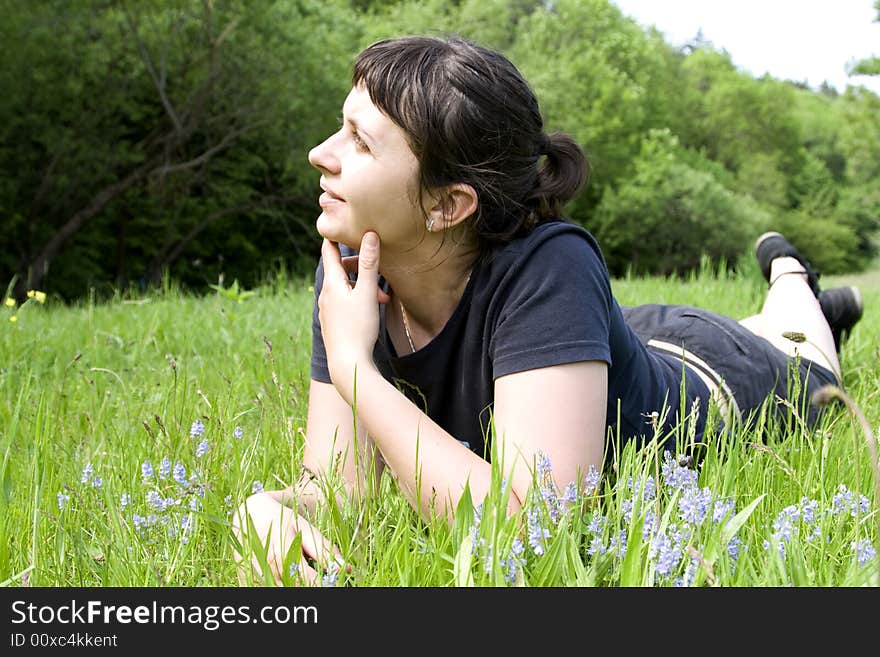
(431, 466)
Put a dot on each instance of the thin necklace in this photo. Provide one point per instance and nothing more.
(409, 339)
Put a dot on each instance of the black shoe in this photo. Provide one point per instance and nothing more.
(772, 245)
(842, 307)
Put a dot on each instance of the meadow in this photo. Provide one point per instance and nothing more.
(132, 427)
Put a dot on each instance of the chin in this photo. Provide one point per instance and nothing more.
(334, 231)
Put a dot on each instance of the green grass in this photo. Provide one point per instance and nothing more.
(119, 383)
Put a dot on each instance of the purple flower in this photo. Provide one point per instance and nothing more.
(591, 481)
(865, 552)
(596, 524)
(569, 495)
(331, 577)
(237, 433)
(722, 509)
(197, 429)
(180, 474)
(808, 509)
(124, 500)
(597, 546)
(87, 473)
(734, 546)
(147, 470)
(666, 553)
(202, 449)
(155, 500)
(676, 476)
(618, 544)
(257, 487)
(537, 533)
(694, 505)
(165, 468)
(63, 500)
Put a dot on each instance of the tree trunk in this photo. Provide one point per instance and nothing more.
(39, 266)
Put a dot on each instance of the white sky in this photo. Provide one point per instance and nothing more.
(801, 40)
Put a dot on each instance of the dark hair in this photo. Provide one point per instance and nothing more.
(470, 117)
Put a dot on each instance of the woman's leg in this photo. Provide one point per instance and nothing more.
(791, 308)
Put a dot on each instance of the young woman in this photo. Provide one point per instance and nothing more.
(479, 313)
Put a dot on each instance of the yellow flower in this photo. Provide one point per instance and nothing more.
(40, 297)
(10, 302)
(13, 318)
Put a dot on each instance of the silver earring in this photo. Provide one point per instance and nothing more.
(429, 224)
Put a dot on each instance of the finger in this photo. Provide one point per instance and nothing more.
(368, 262)
(316, 546)
(350, 264)
(333, 269)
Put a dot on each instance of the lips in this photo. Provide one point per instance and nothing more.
(329, 198)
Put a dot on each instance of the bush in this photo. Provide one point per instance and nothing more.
(670, 214)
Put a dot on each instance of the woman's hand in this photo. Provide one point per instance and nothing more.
(349, 315)
(263, 524)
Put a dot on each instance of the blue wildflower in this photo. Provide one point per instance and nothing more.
(63, 500)
(517, 548)
(537, 533)
(257, 487)
(124, 500)
(180, 474)
(165, 468)
(195, 504)
(591, 481)
(331, 577)
(97, 482)
(808, 509)
(237, 433)
(596, 524)
(666, 553)
(293, 570)
(618, 544)
(865, 552)
(569, 495)
(545, 466)
(722, 509)
(147, 470)
(197, 429)
(734, 546)
(155, 500)
(139, 522)
(597, 546)
(87, 473)
(202, 449)
(676, 476)
(694, 505)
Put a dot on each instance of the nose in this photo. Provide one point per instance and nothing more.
(323, 158)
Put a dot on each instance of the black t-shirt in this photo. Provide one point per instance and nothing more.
(541, 300)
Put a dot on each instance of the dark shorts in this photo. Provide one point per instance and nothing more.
(752, 369)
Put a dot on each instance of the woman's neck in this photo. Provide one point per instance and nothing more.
(429, 289)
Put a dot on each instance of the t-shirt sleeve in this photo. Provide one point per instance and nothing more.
(318, 367)
(556, 308)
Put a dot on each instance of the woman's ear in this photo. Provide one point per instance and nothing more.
(451, 206)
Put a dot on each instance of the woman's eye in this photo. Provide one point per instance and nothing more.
(359, 143)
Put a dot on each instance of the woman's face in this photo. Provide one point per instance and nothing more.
(369, 177)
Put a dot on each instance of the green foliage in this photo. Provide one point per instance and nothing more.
(832, 247)
(172, 136)
(668, 215)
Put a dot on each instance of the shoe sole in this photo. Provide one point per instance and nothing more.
(764, 236)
